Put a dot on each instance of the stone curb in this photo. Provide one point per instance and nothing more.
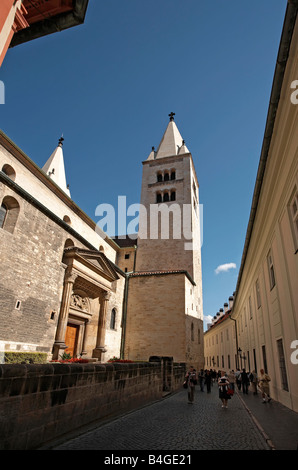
(256, 422)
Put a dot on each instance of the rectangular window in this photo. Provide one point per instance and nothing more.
(282, 365)
(255, 360)
(293, 214)
(264, 359)
(250, 307)
(126, 256)
(271, 270)
(258, 293)
(248, 360)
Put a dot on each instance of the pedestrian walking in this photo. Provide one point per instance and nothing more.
(201, 379)
(254, 382)
(191, 380)
(263, 382)
(213, 375)
(238, 378)
(231, 379)
(223, 386)
(244, 381)
(208, 380)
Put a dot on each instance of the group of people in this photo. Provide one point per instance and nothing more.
(226, 383)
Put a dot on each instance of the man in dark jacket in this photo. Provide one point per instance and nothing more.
(244, 381)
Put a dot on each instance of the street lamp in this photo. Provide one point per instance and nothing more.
(241, 357)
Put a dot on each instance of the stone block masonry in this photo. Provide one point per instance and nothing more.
(41, 403)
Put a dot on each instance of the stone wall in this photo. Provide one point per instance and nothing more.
(40, 403)
(32, 276)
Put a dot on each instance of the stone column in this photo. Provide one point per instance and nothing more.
(86, 335)
(69, 280)
(101, 332)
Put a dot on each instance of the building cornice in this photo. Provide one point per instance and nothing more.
(162, 273)
(281, 63)
(52, 23)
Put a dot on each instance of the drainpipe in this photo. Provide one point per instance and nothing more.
(124, 312)
(236, 339)
(135, 258)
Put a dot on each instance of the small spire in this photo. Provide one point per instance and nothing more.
(60, 142)
(171, 115)
(54, 167)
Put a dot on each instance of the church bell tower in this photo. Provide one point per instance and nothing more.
(170, 223)
(164, 306)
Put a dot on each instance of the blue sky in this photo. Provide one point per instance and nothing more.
(110, 84)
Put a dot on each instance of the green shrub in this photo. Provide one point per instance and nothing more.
(17, 357)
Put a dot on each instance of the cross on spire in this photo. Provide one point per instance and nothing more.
(171, 115)
(61, 141)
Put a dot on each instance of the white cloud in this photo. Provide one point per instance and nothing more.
(207, 319)
(225, 267)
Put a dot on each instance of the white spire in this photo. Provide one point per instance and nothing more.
(54, 167)
(171, 143)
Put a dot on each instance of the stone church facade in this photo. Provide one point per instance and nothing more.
(67, 287)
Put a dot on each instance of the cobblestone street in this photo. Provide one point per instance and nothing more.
(173, 424)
